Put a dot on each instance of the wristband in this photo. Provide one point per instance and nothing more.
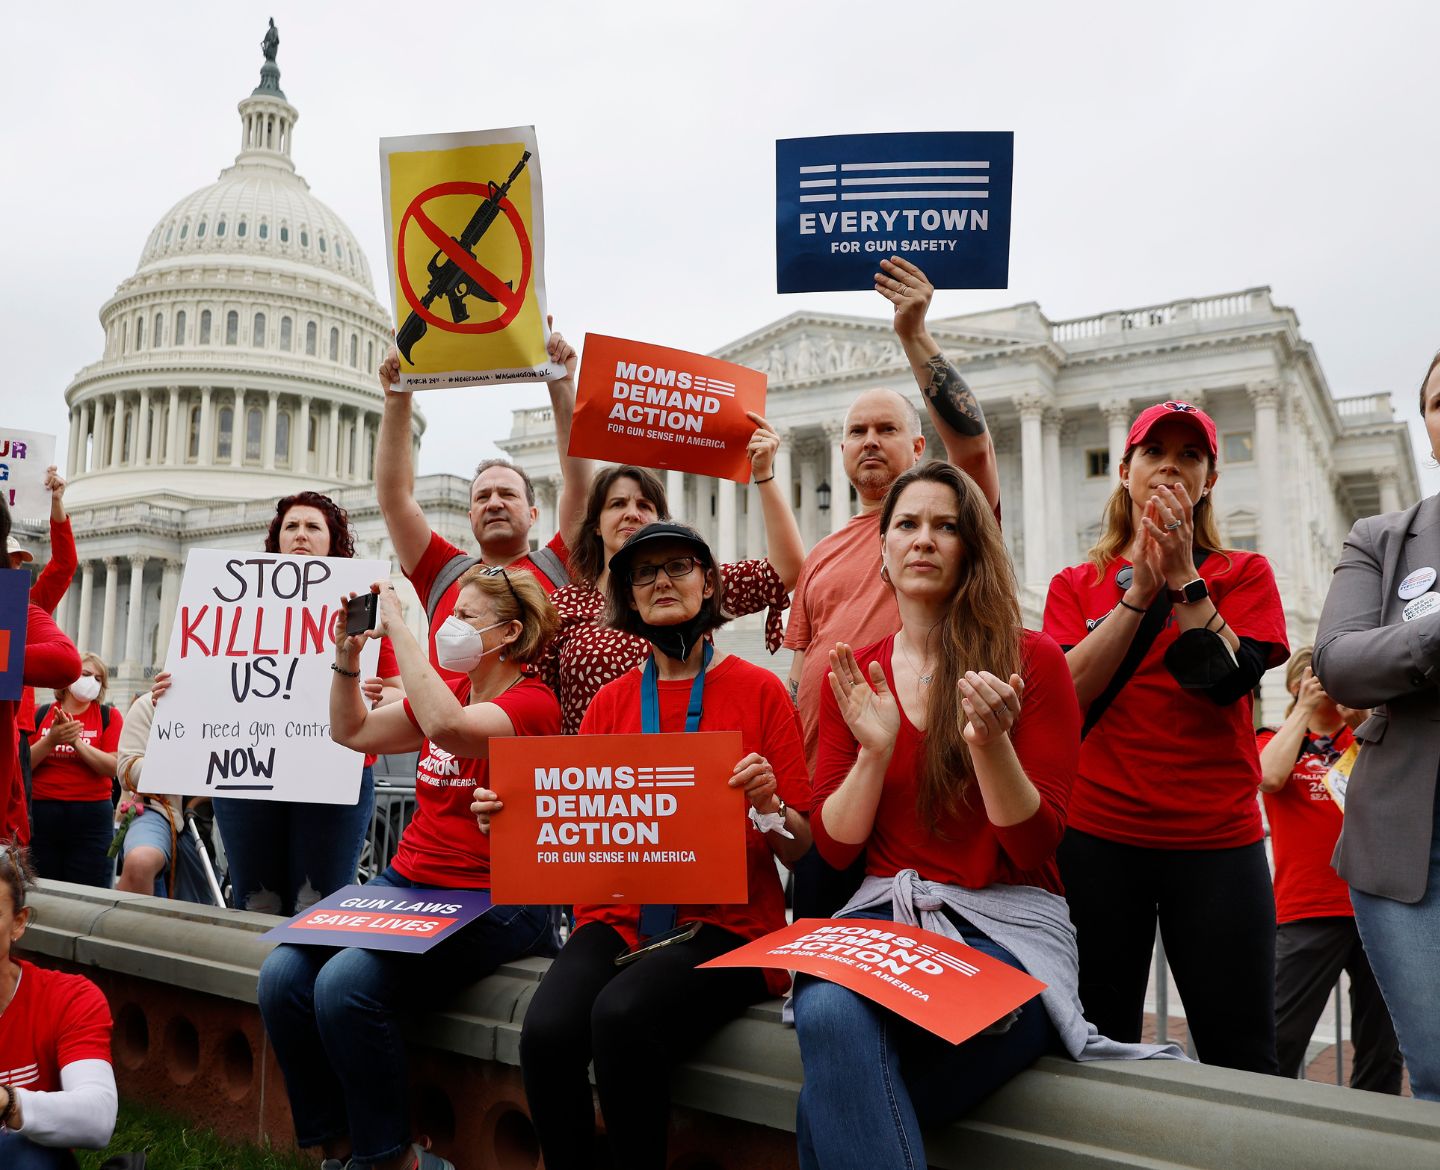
(1131, 608)
(338, 669)
(771, 822)
(758, 482)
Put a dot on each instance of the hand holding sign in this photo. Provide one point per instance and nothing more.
(905, 287)
(485, 805)
(761, 448)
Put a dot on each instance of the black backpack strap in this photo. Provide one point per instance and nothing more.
(1149, 629)
(453, 569)
(40, 713)
(548, 561)
(104, 718)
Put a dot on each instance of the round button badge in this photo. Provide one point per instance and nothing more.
(1425, 603)
(1416, 583)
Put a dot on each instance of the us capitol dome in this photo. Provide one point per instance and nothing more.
(239, 366)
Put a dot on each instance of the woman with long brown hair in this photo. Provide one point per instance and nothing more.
(947, 752)
(1166, 634)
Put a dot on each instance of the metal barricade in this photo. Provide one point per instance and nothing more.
(394, 806)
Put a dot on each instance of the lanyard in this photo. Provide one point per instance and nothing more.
(650, 695)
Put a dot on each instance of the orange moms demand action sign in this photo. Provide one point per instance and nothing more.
(942, 985)
(617, 818)
(664, 408)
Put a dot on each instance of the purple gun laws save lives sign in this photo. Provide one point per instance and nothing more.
(846, 201)
(247, 714)
(383, 918)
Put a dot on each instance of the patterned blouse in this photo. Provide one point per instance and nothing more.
(584, 655)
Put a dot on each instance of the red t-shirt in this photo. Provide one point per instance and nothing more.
(967, 850)
(51, 660)
(1304, 826)
(438, 555)
(1167, 768)
(584, 655)
(54, 1020)
(738, 697)
(443, 846)
(63, 775)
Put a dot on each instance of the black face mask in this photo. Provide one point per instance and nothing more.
(676, 641)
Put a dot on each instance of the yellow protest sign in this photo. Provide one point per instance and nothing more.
(465, 242)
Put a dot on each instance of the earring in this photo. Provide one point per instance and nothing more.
(884, 573)
(1125, 483)
(502, 656)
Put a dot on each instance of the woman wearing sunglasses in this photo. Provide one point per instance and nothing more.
(1167, 634)
(637, 1018)
(332, 1014)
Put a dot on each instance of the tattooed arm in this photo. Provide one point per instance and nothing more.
(953, 408)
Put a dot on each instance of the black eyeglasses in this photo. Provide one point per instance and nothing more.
(499, 571)
(675, 568)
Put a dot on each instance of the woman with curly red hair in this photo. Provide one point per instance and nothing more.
(284, 856)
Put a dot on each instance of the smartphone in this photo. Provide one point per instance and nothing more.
(682, 933)
(362, 613)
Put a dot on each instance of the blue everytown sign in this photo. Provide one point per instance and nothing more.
(844, 202)
(14, 624)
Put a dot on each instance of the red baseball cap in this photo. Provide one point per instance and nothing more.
(1140, 429)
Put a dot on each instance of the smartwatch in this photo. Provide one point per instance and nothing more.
(1190, 592)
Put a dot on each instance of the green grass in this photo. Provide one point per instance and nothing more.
(173, 1144)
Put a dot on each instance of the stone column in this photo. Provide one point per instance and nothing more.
(112, 600)
(86, 457)
(169, 599)
(1265, 397)
(267, 437)
(725, 520)
(80, 629)
(237, 429)
(1389, 489)
(784, 464)
(1031, 408)
(839, 481)
(157, 432)
(207, 427)
(547, 494)
(809, 511)
(1117, 427)
(357, 431)
(1054, 513)
(300, 438)
(117, 431)
(675, 494)
(77, 413)
(142, 429)
(137, 609)
(332, 442)
(174, 453)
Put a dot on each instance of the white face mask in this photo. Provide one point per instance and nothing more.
(86, 688)
(460, 646)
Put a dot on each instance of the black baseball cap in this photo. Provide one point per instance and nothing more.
(660, 530)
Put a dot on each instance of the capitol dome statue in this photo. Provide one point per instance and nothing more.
(239, 367)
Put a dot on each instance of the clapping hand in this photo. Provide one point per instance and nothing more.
(869, 707)
(990, 705)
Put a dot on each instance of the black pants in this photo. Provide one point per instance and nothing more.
(636, 1021)
(1216, 912)
(1309, 956)
(71, 837)
(821, 889)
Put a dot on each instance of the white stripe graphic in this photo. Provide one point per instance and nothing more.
(817, 182)
(892, 179)
(853, 195)
(817, 199)
(914, 166)
(828, 169)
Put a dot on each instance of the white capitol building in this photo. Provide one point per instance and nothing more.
(238, 366)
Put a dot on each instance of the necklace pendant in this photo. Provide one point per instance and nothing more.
(925, 678)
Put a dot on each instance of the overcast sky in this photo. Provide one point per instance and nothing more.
(1161, 152)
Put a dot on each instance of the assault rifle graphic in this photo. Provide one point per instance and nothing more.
(448, 279)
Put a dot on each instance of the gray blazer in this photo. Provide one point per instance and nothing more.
(1367, 655)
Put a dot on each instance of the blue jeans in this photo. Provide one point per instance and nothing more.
(18, 1152)
(286, 857)
(334, 1020)
(872, 1079)
(1402, 942)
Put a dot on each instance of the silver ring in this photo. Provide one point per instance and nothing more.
(1174, 524)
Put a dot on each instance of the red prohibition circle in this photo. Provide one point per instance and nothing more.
(492, 284)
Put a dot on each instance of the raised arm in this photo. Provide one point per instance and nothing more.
(395, 470)
(381, 731)
(953, 408)
(784, 548)
(1278, 756)
(575, 473)
(59, 570)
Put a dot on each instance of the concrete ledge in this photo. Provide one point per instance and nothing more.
(735, 1098)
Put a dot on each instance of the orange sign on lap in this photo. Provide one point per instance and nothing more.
(618, 818)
